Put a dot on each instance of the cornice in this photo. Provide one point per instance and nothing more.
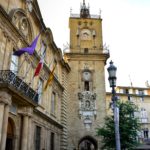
(48, 119)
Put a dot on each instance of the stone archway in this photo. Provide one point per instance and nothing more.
(10, 135)
(87, 143)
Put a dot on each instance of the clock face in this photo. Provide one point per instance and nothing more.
(86, 34)
(86, 76)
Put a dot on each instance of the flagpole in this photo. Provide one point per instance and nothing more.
(30, 66)
(30, 50)
(51, 76)
(30, 84)
(33, 80)
(26, 55)
(20, 67)
(42, 57)
(28, 69)
(51, 62)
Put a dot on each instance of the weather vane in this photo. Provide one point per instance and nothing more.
(70, 11)
(100, 11)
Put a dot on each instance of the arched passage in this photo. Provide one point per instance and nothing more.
(87, 143)
(10, 135)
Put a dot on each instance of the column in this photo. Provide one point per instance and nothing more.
(1, 119)
(24, 142)
(30, 133)
(5, 102)
(4, 131)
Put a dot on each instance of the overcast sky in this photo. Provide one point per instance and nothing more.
(126, 29)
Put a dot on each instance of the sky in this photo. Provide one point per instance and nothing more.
(126, 30)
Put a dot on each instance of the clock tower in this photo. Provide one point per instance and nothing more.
(87, 58)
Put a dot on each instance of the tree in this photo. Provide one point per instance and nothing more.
(129, 126)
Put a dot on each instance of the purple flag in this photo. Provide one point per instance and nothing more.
(29, 49)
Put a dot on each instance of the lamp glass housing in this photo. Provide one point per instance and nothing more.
(112, 74)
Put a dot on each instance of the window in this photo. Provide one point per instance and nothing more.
(141, 93)
(43, 48)
(53, 101)
(14, 64)
(129, 98)
(37, 138)
(86, 86)
(141, 98)
(143, 115)
(86, 50)
(125, 91)
(13, 108)
(40, 88)
(145, 133)
(52, 140)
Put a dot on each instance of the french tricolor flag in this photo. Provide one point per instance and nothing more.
(41, 62)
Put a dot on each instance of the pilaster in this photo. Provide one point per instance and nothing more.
(26, 112)
(5, 102)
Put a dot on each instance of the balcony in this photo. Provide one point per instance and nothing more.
(144, 120)
(91, 16)
(16, 84)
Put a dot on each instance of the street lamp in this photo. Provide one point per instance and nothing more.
(112, 81)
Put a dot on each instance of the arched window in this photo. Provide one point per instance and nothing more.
(86, 77)
(86, 86)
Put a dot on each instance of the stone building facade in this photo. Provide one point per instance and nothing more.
(66, 115)
(30, 119)
(140, 96)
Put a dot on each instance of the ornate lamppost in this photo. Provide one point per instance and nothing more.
(112, 81)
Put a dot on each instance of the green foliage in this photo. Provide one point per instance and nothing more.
(128, 126)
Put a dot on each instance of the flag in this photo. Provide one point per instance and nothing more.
(29, 49)
(41, 62)
(51, 77)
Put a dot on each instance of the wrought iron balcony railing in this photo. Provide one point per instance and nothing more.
(8, 77)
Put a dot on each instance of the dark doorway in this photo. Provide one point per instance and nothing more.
(87, 143)
(10, 135)
(9, 144)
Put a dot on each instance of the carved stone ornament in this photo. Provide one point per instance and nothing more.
(29, 5)
(87, 107)
(21, 21)
(87, 100)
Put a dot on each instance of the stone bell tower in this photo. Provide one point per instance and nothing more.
(87, 58)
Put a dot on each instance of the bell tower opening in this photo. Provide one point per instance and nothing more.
(84, 12)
